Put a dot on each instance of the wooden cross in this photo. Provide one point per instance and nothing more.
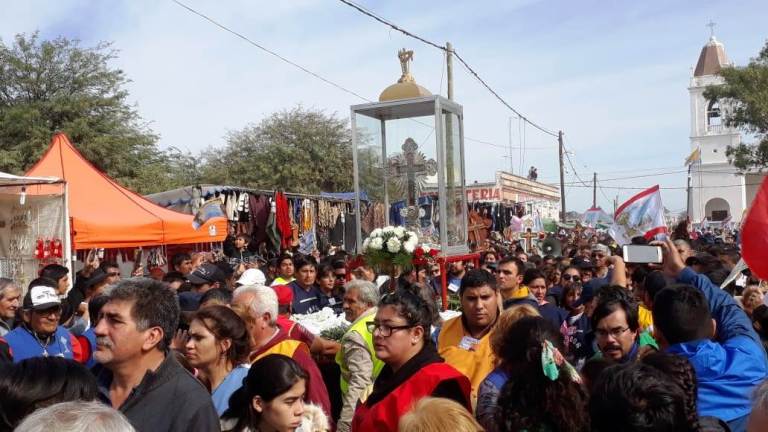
(410, 166)
(528, 236)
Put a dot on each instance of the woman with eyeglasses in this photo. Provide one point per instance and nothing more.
(413, 369)
(330, 294)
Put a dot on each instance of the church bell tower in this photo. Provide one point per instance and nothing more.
(717, 192)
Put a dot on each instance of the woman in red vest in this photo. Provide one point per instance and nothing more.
(412, 370)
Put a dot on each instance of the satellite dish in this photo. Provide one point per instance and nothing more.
(552, 246)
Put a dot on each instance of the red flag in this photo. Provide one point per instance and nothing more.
(754, 234)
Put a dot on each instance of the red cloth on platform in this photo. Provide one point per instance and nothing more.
(754, 233)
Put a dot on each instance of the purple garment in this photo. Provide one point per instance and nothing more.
(259, 206)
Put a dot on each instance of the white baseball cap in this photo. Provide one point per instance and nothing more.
(252, 277)
(41, 297)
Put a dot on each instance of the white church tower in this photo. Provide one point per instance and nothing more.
(717, 192)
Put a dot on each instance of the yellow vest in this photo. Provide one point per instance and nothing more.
(360, 328)
(287, 348)
(645, 318)
(475, 364)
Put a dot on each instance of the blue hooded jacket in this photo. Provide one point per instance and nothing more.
(728, 368)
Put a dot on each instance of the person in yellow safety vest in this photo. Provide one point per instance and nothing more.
(464, 341)
(257, 305)
(357, 358)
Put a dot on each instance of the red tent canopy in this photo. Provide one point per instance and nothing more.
(107, 215)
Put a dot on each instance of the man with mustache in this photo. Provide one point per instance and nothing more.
(139, 374)
(617, 328)
(464, 341)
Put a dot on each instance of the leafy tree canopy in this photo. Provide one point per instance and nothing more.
(58, 85)
(298, 150)
(745, 93)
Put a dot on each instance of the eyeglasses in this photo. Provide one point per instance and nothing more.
(567, 277)
(614, 333)
(113, 274)
(340, 276)
(56, 310)
(385, 330)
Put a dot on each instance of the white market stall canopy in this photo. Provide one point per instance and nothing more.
(34, 227)
(14, 180)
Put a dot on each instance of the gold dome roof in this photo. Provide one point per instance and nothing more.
(405, 87)
(404, 90)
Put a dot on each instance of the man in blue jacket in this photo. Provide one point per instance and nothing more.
(697, 320)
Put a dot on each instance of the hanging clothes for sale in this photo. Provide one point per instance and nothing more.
(273, 234)
(337, 232)
(259, 208)
(283, 220)
(350, 233)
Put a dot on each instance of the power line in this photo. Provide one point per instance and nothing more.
(463, 62)
(270, 52)
(671, 187)
(570, 162)
(304, 69)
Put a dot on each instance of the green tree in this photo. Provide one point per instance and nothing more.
(745, 93)
(298, 150)
(57, 85)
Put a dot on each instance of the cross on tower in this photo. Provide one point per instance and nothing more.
(712, 26)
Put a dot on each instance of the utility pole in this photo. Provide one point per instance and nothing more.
(562, 177)
(594, 191)
(449, 68)
(688, 196)
(511, 164)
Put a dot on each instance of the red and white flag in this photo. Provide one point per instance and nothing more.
(640, 216)
(754, 233)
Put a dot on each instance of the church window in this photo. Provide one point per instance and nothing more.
(714, 119)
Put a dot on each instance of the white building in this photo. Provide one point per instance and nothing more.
(717, 190)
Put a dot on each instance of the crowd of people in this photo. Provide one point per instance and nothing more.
(572, 343)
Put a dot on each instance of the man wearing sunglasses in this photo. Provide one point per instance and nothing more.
(40, 334)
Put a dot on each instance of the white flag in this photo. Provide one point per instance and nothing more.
(641, 216)
(595, 216)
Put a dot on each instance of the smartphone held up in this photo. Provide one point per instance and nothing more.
(642, 254)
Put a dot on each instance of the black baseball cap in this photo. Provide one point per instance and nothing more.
(206, 274)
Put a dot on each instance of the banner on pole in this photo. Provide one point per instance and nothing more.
(640, 216)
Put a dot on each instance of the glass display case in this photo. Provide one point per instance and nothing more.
(409, 170)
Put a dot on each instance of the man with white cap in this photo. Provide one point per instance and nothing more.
(252, 277)
(40, 334)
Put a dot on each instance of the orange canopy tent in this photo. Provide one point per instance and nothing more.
(107, 215)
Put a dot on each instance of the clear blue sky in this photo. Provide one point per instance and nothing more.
(612, 75)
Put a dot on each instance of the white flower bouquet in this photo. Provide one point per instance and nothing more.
(321, 321)
(390, 246)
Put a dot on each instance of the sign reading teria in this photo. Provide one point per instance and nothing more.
(641, 216)
(484, 194)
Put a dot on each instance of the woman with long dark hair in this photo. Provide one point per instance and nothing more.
(413, 369)
(544, 392)
(272, 399)
(578, 347)
(330, 294)
(218, 347)
(39, 382)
